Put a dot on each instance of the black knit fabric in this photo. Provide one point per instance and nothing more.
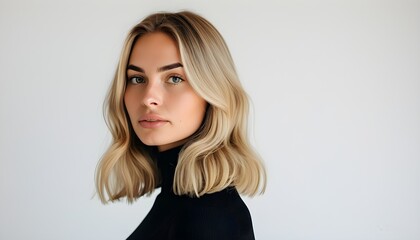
(217, 216)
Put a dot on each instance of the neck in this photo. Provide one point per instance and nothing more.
(167, 161)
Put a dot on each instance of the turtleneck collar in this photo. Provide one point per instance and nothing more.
(167, 161)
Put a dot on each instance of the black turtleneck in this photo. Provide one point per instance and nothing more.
(217, 216)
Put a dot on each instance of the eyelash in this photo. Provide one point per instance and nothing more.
(175, 76)
(130, 79)
(143, 80)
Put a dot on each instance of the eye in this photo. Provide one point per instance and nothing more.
(136, 80)
(175, 80)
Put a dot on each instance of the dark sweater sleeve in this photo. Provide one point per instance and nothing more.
(221, 216)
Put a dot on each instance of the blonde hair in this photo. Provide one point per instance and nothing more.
(218, 155)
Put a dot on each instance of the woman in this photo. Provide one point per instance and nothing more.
(178, 117)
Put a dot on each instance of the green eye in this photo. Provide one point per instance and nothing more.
(175, 80)
(136, 80)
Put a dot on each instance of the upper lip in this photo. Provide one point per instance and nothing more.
(151, 117)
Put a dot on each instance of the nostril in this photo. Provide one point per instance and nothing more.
(151, 102)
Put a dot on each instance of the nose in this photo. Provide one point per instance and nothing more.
(153, 94)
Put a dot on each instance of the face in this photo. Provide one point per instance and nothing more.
(163, 108)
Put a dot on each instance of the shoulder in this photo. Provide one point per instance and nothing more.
(221, 215)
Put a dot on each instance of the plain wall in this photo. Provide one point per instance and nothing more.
(335, 87)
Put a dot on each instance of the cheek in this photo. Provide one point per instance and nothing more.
(189, 108)
(129, 100)
(197, 109)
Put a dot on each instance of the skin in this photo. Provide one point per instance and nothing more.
(163, 108)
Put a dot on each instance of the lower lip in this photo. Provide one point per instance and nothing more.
(155, 124)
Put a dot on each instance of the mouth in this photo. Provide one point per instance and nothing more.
(152, 122)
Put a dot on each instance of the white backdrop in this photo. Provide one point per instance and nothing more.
(335, 87)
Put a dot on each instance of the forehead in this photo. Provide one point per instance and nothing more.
(154, 49)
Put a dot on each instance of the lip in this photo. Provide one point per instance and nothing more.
(151, 117)
(152, 121)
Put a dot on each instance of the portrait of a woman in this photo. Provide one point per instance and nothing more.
(233, 120)
(178, 117)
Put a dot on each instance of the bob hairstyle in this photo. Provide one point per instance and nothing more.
(218, 155)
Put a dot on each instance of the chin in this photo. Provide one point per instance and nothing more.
(153, 142)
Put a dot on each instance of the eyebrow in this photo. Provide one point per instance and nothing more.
(161, 69)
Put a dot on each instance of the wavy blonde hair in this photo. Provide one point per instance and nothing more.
(218, 155)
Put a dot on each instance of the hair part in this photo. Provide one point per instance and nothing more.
(218, 155)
